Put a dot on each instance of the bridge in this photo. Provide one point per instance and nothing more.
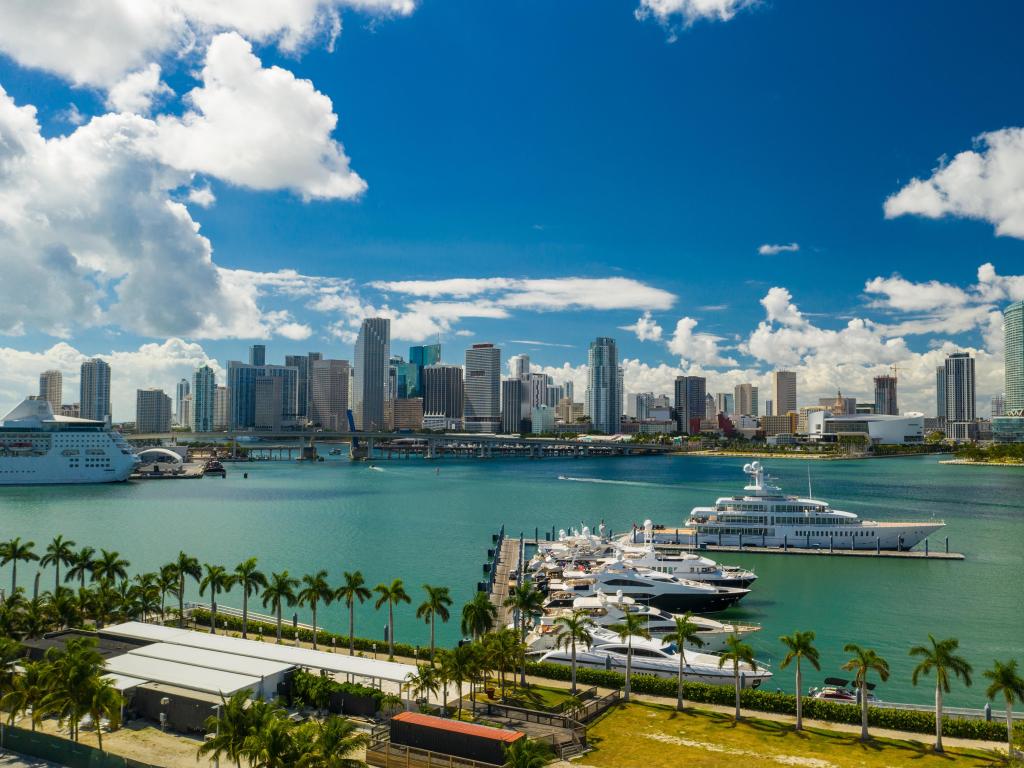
(405, 444)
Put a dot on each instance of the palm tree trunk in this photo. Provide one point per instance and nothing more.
(351, 627)
(432, 619)
(1009, 729)
(245, 613)
(736, 673)
(99, 732)
(864, 710)
(56, 578)
(938, 716)
(181, 602)
(391, 630)
(629, 668)
(314, 625)
(799, 697)
(14, 576)
(278, 622)
(213, 611)
(574, 667)
(679, 686)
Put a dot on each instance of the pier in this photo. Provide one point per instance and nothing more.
(505, 556)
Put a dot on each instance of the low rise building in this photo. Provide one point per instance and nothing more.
(878, 429)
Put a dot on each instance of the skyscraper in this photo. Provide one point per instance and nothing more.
(152, 411)
(520, 365)
(482, 410)
(328, 407)
(243, 380)
(443, 395)
(885, 395)
(221, 409)
(745, 400)
(302, 364)
(710, 408)
(370, 379)
(95, 390)
(419, 358)
(783, 393)
(604, 386)
(690, 403)
(725, 402)
(51, 389)
(258, 354)
(940, 392)
(183, 389)
(1009, 428)
(998, 405)
(638, 405)
(204, 398)
(512, 405)
(960, 396)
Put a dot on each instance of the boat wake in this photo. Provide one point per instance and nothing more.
(614, 482)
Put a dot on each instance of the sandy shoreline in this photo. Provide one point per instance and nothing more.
(969, 462)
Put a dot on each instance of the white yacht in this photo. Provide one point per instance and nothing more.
(661, 590)
(605, 610)
(37, 448)
(765, 516)
(650, 657)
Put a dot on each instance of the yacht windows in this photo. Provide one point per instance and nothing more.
(624, 583)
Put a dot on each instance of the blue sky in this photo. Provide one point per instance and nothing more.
(533, 141)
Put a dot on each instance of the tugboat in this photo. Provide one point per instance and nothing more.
(214, 467)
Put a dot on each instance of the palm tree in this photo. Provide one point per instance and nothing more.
(336, 739)
(229, 727)
(167, 583)
(526, 600)
(865, 661)
(13, 552)
(58, 552)
(478, 616)
(110, 566)
(941, 658)
(391, 594)
(573, 630)
(443, 672)
(686, 633)
(70, 675)
(280, 590)
(462, 665)
(25, 692)
(436, 604)
(216, 579)
(1005, 682)
(799, 646)
(527, 753)
(315, 590)
(425, 681)
(271, 746)
(81, 566)
(104, 702)
(185, 565)
(503, 651)
(632, 625)
(738, 653)
(353, 588)
(251, 580)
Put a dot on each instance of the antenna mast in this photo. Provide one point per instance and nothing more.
(810, 492)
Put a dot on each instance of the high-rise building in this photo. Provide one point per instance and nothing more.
(542, 420)
(72, 410)
(406, 413)
(512, 405)
(885, 395)
(725, 402)
(639, 404)
(371, 372)
(243, 380)
(839, 405)
(570, 390)
(95, 390)
(940, 392)
(482, 409)
(204, 395)
(690, 403)
(303, 386)
(186, 411)
(960, 396)
(1009, 428)
(998, 405)
(604, 386)
(268, 397)
(152, 411)
(555, 392)
(745, 400)
(443, 394)
(183, 388)
(520, 366)
(221, 409)
(783, 393)
(710, 408)
(419, 358)
(51, 389)
(538, 393)
(258, 354)
(329, 404)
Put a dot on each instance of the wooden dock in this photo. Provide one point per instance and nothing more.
(506, 560)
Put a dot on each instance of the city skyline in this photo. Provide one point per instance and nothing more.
(910, 256)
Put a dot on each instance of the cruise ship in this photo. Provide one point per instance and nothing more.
(39, 448)
(765, 516)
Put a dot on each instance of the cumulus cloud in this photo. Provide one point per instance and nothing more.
(646, 328)
(693, 347)
(99, 42)
(257, 127)
(769, 249)
(673, 14)
(780, 307)
(138, 90)
(984, 183)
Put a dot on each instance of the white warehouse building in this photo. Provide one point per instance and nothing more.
(880, 429)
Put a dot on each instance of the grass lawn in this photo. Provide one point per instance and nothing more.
(659, 737)
(531, 697)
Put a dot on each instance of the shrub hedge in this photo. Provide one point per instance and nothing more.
(315, 690)
(911, 721)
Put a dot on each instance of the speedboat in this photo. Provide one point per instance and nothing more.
(841, 691)
(651, 657)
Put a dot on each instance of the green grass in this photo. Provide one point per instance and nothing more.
(653, 736)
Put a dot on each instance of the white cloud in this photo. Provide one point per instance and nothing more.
(257, 127)
(673, 14)
(99, 42)
(899, 293)
(646, 328)
(137, 91)
(699, 348)
(986, 183)
(202, 196)
(769, 249)
(780, 308)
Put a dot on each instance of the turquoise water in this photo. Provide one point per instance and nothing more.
(410, 522)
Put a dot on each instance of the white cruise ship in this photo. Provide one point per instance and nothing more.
(765, 516)
(39, 448)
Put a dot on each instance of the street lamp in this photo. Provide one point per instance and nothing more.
(374, 651)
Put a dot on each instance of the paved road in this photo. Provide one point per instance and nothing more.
(10, 760)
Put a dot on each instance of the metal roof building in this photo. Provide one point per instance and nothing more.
(187, 676)
(270, 673)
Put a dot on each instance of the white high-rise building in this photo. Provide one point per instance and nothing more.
(783, 393)
(51, 389)
(329, 403)
(186, 412)
(520, 366)
(638, 405)
(604, 386)
(152, 411)
(998, 405)
(710, 407)
(181, 391)
(370, 377)
(959, 379)
(221, 409)
(745, 400)
(483, 388)
(95, 390)
(204, 399)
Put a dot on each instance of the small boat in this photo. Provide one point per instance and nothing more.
(335, 452)
(841, 691)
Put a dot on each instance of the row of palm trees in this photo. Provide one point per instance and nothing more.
(67, 682)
